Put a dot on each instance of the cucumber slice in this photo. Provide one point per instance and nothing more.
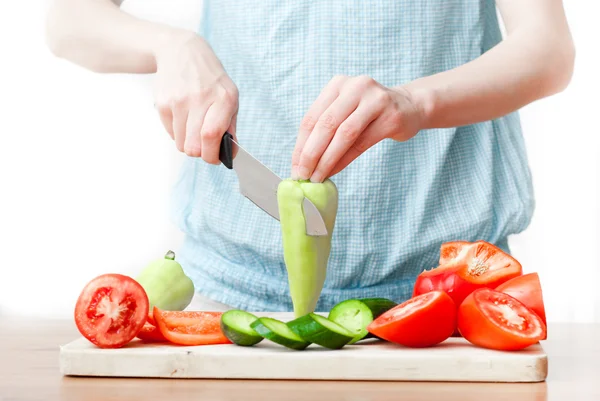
(235, 325)
(279, 332)
(356, 314)
(320, 330)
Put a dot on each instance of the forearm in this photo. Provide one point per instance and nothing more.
(97, 35)
(534, 61)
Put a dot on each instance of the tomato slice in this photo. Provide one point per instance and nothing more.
(468, 266)
(111, 310)
(422, 321)
(150, 334)
(190, 327)
(491, 319)
(528, 290)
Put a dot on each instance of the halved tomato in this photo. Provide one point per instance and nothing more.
(422, 321)
(491, 319)
(150, 334)
(469, 266)
(111, 310)
(190, 328)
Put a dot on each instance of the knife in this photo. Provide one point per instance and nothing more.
(259, 184)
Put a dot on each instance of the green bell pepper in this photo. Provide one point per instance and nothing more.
(166, 285)
(306, 257)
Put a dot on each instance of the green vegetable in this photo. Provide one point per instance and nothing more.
(235, 325)
(166, 284)
(278, 332)
(306, 256)
(320, 330)
(356, 314)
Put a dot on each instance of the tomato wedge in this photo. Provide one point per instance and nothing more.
(528, 290)
(491, 319)
(468, 266)
(422, 321)
(111, 310)
(190, 328)
(150, 334)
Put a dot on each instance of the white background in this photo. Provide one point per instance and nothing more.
(86, 171)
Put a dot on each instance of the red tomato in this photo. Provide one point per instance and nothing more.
(528, 290)
(491, 319)
(150, 334)
(111, 310)
(190, 328)
(469, 266)
(423, 321)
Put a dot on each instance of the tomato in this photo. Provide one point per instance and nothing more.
(528, 290)
(468, 266)
(491, 319)
(422, 321)
(150, 333)
(111, 310)
(190, 328)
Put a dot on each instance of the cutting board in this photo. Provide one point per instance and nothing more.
(453, 360)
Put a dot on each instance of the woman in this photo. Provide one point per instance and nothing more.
(410, 107)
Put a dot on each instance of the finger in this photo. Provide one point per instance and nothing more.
(166, 117)
(323, 101)
(217, 120)
(180, 116)
(193, 137)
(324, 131)
(345, 136)
(371, 136)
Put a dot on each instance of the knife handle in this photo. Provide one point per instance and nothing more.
(226, 151)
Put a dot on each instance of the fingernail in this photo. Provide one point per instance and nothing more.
(316, 178)
(303, 173)
(294, 174)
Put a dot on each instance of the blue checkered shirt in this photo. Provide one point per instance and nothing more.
(398, 201)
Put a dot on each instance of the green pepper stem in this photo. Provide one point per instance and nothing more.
(170, 255)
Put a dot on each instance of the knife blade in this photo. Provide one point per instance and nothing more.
(259, 184)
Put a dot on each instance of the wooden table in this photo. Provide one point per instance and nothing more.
(29, 371)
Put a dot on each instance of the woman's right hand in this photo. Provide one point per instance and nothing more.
(196, 99)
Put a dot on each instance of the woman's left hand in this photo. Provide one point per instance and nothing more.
(350, 115)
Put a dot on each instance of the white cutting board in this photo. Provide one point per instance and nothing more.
(453, 360)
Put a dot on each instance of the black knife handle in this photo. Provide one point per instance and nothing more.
(226, 151)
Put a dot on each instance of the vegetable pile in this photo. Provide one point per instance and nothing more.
(477, 291)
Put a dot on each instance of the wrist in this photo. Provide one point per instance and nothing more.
(418, 112)
(169, 38)
(423, 99)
